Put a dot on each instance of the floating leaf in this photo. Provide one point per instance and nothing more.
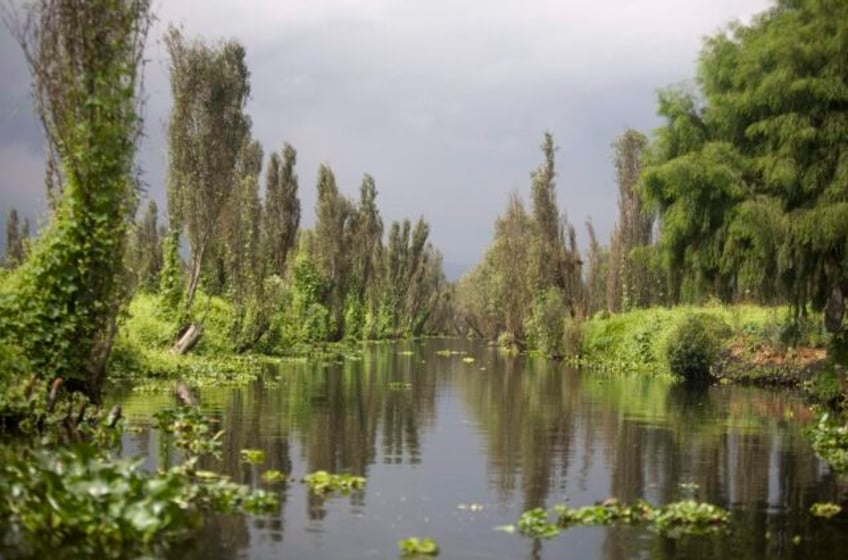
(413, 546)
(825, 509)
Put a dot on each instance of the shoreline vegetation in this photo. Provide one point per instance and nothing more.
(740, 195)
(755, 345)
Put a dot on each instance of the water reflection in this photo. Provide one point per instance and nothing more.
(430, 431)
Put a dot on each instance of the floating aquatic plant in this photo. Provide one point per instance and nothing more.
(322, 482)
(253, 456)
(273, 476)
(413, 546)
(825, 509)
(535, 523)
(674, 519)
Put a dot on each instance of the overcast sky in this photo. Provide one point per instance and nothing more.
(444, 102)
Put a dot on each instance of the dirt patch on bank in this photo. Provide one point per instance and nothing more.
(771, 366)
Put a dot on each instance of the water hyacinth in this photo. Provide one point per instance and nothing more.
(685, 517)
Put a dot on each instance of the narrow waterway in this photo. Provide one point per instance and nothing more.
(455, 445)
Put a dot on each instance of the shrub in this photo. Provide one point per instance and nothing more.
(693, 346)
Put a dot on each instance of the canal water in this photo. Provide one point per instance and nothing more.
(457, 440)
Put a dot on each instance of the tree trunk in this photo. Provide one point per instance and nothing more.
(188, 339)
(834, 310)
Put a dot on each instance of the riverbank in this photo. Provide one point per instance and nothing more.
(757, 345)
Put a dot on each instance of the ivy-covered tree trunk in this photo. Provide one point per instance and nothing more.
(61, 306)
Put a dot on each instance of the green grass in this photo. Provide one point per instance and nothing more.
(636, 341)
(143, 347)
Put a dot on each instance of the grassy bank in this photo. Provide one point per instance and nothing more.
(760, 345)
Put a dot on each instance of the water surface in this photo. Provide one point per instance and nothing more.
(453, 448)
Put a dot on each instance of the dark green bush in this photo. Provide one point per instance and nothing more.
(693, 346)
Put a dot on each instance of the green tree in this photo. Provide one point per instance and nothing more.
(282, 208)
(333, 231)
(628, 282)
(206, 132)
(548, 243)
(595, 295)
(554, 262)
(366, 282)
(477, 308)
(753, 186)
(693, 181)
(241, 246)
(514, 295)
(60, 307)
(146, 255)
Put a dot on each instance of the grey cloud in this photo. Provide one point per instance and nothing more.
(444, 102)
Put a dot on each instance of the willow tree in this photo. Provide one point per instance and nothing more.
(752, 182)
(60, 307)
(206, 132)
(365, 286)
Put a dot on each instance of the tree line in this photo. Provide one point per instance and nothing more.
(740, 195)
(62, 294)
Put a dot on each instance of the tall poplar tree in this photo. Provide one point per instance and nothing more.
(333, 232)
(282, 208)
(206, 132)
(629, 280)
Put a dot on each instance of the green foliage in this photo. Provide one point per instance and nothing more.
(61, 306)
(171, 277)
(308, 319)
(83, 500)
(530, 279)
(535, 523)
(143, 347)
(606, 513)
(629, 281)
(638, 341)
(323, 483)
(414, 546)
(546, 327)
(273, 476)
(207, 131)
(748, 173)
(693, 346)
(829, 437)
(686, 517)
(252, 456)
(102, 507)
(354, 318)
(145, 254)
(191, 431)
(282, 209)
(825, 509)
(689, 517)
(16, 238)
